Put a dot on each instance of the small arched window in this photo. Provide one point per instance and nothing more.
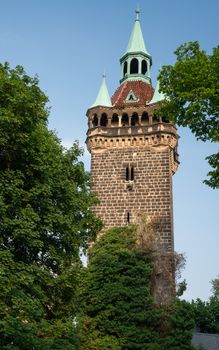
(134, 119)
(95, 120)
(125, 119)
(143, 67)
(155, 119)
(115, 120)
(125, 68)
(134, 66)
(144, 118)
(165, 120)
(103, 120)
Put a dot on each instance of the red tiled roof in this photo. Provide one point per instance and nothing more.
(142, 91)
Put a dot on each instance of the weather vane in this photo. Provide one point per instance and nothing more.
(137, 11)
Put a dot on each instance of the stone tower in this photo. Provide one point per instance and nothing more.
(134, 153)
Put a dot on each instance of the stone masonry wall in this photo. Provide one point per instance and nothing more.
(149, 193)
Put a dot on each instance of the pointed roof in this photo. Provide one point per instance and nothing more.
(103, 97)
(136, 41)
(142, 91)
(158, 96)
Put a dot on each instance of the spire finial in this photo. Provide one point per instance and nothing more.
(103, 97)
(137, 11)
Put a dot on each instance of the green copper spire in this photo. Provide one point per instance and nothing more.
(158, 96)
(136, 62)
(103, 97)
(136, 41)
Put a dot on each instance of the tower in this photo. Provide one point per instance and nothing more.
(134, 153)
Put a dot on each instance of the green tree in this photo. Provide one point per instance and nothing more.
(117, 309)
(207, 315)
(179, 326)
(192, 89)
(118, 305)
(215, 287)
(207, 312)
(45, 219)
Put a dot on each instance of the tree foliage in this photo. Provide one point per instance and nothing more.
(207, 315)
(45, 219)
(118, 304)
(180, 324)
(207, 312)
(118, 311)
(215, 287)
(192, 89)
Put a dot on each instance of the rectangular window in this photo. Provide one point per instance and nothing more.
(128, 217)
(132, 174)
(129, 173)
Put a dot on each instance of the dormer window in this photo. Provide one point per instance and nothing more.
(131, 97)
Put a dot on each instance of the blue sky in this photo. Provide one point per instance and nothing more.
(70, 43)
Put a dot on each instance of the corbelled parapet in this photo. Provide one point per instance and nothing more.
(130, 127)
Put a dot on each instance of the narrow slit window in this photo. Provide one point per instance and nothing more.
(128, 217)
(132, 174)
(127, 174)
